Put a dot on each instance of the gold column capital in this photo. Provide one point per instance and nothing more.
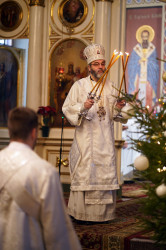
(111, 1)
(37, 2)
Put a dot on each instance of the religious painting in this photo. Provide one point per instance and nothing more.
(11, 15)
(8, 83)
(143, 42)
(67, 65)
(73, 12)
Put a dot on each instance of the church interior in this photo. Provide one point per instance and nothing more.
(41, 49)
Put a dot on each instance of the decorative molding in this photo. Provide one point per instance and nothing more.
(111, 1)
(89, 39)
(70, 30)
(90, 31)
(25, 34)
(142, 3)
(37, 3)
(17, 36)
(52, 41)
(52, 32)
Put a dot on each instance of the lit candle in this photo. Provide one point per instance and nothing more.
(124, 73)
(115, 60)
(109, 66)
(126, 60)
(113, 55)
(124, 69)
(103, 84)
(97, 85)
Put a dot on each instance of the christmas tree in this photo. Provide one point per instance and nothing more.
(151, 164)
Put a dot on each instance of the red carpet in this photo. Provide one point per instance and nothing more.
(133, 190)
(115, 234)
(125, 232)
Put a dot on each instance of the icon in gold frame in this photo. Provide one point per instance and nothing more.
(73, 12)
(11, 15)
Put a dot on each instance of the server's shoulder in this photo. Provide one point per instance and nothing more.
(38, 161)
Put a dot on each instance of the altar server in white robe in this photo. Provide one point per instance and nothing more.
(32, 210)
(92, 155)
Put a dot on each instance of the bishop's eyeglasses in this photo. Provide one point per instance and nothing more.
(97, 64)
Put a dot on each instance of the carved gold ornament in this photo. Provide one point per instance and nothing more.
(64, 162)
(37, 2)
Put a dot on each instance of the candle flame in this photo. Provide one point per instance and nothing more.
(127, 53)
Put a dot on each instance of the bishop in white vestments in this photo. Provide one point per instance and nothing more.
(92, 155)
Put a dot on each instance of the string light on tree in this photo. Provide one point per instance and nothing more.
(152, 146)
(141, 163)
(161, 169)
(164, 124)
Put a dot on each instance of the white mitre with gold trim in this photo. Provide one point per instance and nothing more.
(94, 52)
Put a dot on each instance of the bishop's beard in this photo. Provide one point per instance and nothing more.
(97, 74)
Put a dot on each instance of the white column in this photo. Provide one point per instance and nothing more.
(35, 55)
(103, 25)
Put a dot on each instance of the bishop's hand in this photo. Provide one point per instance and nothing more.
(120, 103)
(88, 103)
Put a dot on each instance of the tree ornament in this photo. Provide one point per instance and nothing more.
(164, 76)
(141, 163)
(161, 190)
(164, 125)
(154, 137)
(127, 111)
